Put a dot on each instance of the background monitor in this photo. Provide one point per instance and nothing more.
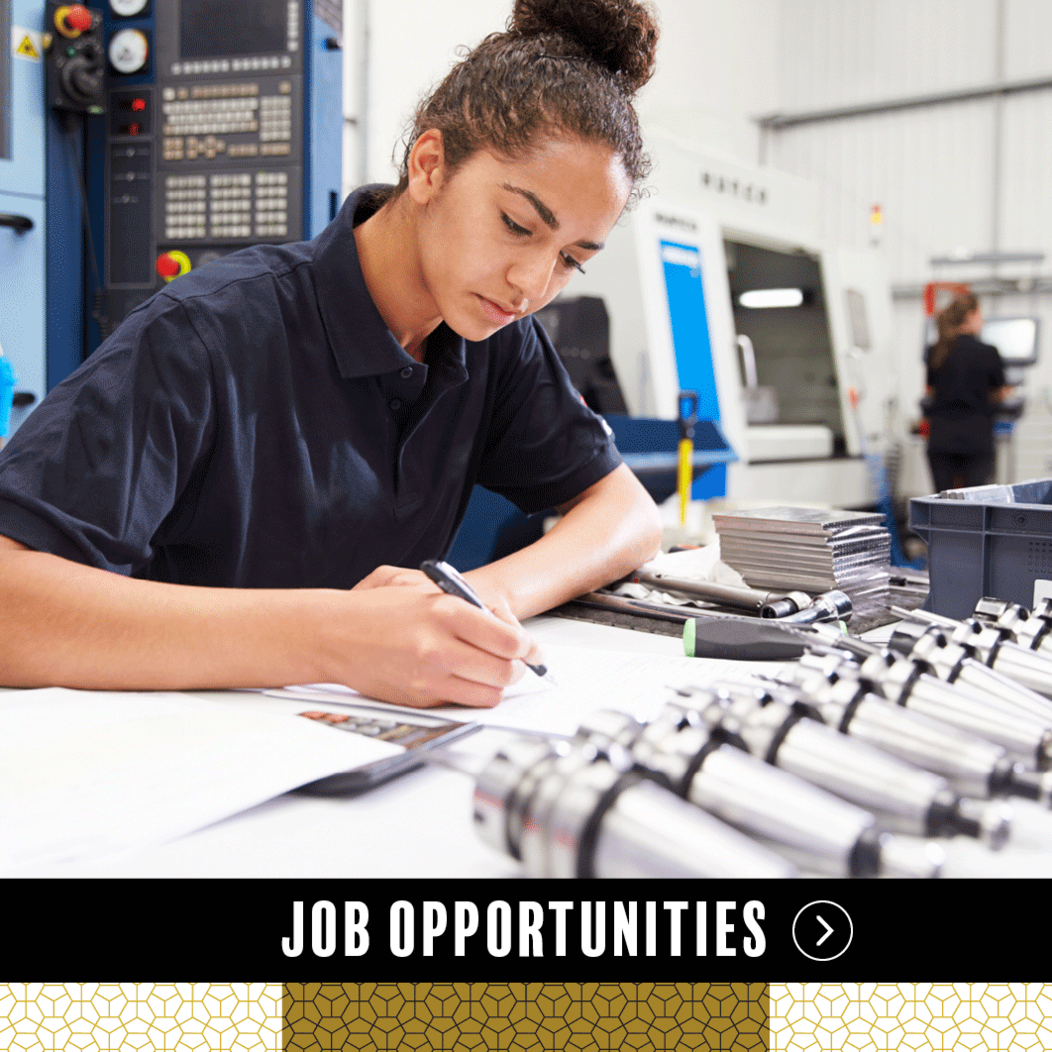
(1014, 338)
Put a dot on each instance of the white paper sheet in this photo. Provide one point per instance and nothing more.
(585, 680)
(89, 773)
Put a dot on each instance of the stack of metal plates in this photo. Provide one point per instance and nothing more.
(810, 550)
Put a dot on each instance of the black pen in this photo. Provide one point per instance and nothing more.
(448, 578)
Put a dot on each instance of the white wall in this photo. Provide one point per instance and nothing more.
(716, 69)
(411, 45)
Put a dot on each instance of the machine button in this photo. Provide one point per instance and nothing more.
(79, 18)
(171, 265)
(166, 266)
(72, 19)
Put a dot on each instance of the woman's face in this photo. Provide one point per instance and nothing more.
(498, 239)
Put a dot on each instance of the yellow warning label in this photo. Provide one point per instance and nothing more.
(27, 44)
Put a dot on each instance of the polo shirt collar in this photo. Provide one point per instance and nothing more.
(359, 338)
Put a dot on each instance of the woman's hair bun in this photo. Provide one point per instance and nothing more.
(620, 35)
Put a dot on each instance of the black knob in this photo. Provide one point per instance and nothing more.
(82, 82)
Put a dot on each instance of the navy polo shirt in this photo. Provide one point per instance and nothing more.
(256, 424)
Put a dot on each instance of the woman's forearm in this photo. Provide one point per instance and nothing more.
(64, 624)
(613, 528)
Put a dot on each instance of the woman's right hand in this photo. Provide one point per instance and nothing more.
(415, 645)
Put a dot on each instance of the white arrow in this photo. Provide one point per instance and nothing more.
(829, 931)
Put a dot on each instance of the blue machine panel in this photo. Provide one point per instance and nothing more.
(23, 229)
(690, 337)
(224, 129)
(5, 82)
(22, 297)
(22, 168)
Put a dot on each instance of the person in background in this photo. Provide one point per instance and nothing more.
(238, 487)
(965, 384)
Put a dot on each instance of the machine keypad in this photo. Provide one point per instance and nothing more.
(226, 204)
(198, 120)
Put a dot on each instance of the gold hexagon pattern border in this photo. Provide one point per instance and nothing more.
(792, 1017)
(525, 1017)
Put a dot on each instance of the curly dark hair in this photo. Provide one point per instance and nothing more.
(562, 67)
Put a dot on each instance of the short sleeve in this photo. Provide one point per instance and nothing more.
(100, 464)
(545, 445)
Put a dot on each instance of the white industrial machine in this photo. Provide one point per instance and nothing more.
(803, 390)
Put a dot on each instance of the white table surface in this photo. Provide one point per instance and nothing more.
(419, 825)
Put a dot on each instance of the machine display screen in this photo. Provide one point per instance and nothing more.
(219, 27)
(1014, 338)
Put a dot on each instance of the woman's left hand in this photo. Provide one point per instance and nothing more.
(397, 577)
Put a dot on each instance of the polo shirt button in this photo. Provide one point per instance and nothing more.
(407, 372)
(395, 404)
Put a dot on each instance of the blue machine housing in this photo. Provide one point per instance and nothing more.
(223, 138)
(23, 197)
(58, 283)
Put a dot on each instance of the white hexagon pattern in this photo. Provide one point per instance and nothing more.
(140, 1017)
(911, 1017)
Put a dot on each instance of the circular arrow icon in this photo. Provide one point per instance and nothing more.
(822, 930)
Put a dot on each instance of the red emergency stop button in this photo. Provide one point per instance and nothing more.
(72, 19)
(79, 18)
(166, 266)
(172, 264)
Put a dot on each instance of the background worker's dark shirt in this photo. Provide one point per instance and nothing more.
(256, 424)
(961, 411)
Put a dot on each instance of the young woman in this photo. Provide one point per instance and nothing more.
(965, 384)
(237, 487)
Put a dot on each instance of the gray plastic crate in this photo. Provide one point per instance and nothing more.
(986, 541)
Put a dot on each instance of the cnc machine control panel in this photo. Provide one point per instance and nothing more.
(205, 136)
